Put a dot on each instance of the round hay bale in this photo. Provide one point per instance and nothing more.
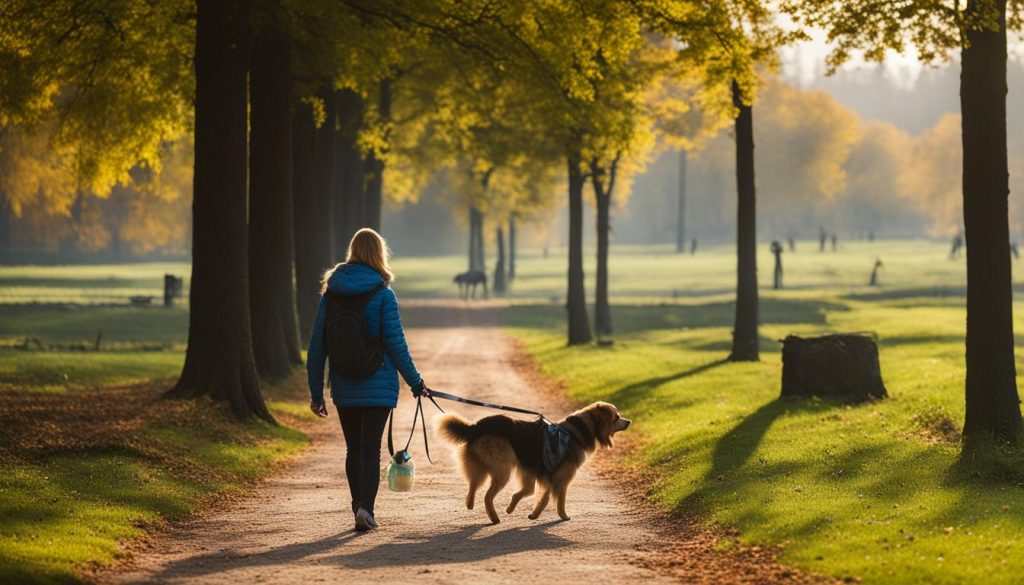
(840, 365)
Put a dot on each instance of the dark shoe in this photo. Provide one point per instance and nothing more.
(364, 521)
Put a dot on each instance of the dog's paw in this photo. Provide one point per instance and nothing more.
(533, 516)
(564, 517)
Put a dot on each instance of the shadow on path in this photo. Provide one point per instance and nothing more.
(458, 546)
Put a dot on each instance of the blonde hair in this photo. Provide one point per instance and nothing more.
(369, 248)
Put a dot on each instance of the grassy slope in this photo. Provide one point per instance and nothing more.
(876, 491)
(68, 507)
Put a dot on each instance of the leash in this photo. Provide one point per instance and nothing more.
(415, 417)
(430, 394)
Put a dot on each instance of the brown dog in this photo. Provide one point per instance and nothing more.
(494, 446)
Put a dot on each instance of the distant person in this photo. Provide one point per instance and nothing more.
(958, 243)
(791, 241)
(871, 235)
(874, 273)
(835, 242)
(777, 251)
(822, 237)
(1014, 250)
(693, 246)
(363, 400)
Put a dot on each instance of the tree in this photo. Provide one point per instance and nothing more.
(726, 40)
(219, 360)
(349, 201)
(305, 214)
(978, 29)
(744, 337)
(271, 240)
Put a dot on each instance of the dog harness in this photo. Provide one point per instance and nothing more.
(556, 445)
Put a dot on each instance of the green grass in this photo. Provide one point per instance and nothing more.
(73, 509)
(71, 506)
(876, 491)
(63, 371)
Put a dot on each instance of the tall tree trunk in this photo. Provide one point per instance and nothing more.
(512, 247)
(472, 264)
(374, 168)
(576, 298)
(304, 204)
(219, 360)
(603, 198)
(500, 284)
(275, 334)
(744, 337)
(991, 391)
(6, 221)
(314, 214)
(681, 206)
(349, 203)
(476, 225)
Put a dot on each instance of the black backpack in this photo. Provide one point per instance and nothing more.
(354, 354)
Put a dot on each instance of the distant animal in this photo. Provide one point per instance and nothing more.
(539, 452)
(958, 242)
(777, 252)
(470, 279)
(874, 273)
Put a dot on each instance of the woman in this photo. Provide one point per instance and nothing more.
(364, 404)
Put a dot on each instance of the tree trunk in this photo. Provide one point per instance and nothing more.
(744, 337)
(500, 283)
(349, 202)
(6, 221)
(374, 165)
(476, 243)
(275, 334)
(576, 298)
(307, 259)
(602, 197)
(219, 360)
(512, 247)
(681, 207)
(314, 214)
(991, 390)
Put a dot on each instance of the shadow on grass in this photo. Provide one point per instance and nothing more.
(636, 318)
(734, 449)
(632, 394)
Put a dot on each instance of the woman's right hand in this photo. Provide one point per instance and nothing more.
(318, 408)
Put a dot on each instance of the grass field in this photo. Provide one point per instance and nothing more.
(89, 456)
(880, 491)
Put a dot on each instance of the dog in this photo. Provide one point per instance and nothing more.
(496, 445)
(470, 279)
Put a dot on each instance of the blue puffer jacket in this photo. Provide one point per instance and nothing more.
(381, 388)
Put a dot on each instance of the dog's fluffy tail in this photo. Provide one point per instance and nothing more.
(456, 429)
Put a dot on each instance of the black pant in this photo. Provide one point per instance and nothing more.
(363, 427)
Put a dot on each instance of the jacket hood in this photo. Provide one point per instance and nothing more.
(353, 279)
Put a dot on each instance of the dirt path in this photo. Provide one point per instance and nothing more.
(297, 526)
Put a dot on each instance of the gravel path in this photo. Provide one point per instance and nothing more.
(296, 527)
